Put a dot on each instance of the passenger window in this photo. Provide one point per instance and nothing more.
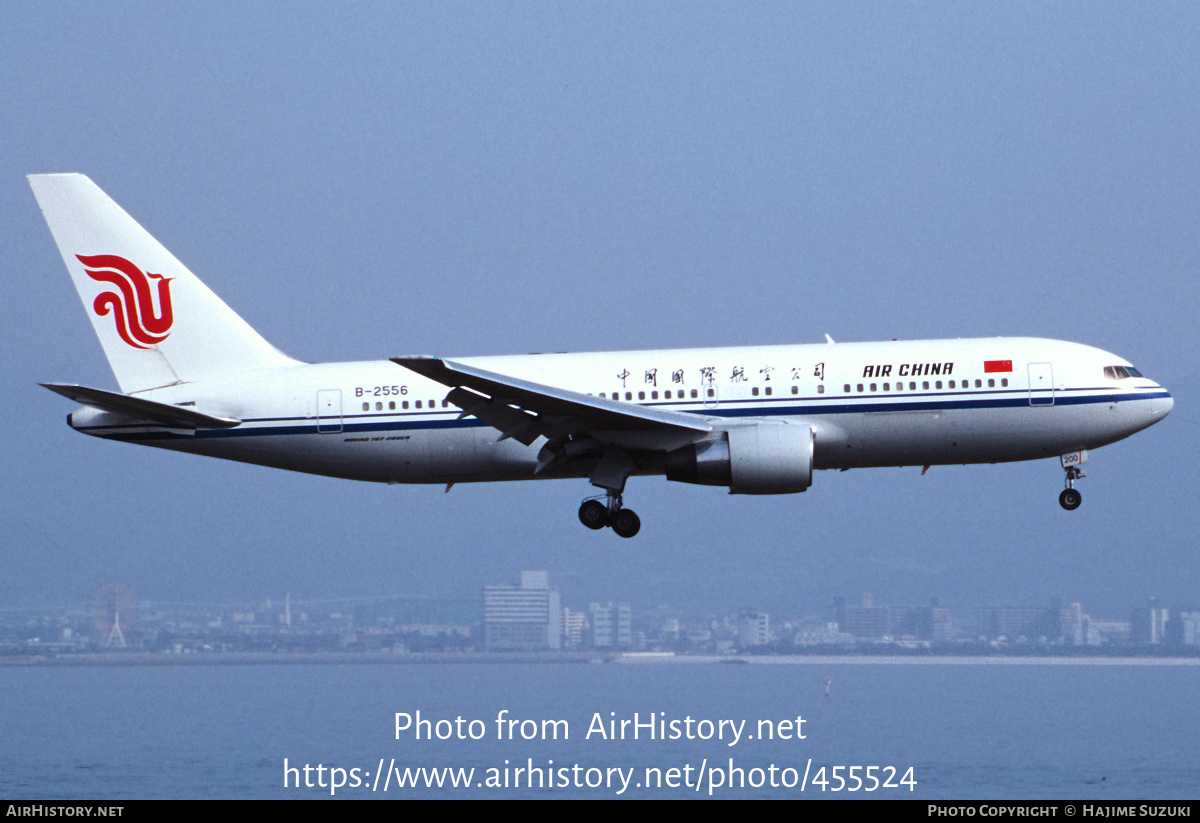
(768, 391)
(978, 383)
(392, 406)
(754, 391)
(820, 389)
(860, 387)
(653, 395)
(912, 386)
(628, 395)
(796, 389)
(418, 404)
(846, 389)
(378, 405)
(887, 386)
(1004, 382)
(693, 392)
(711, 393)
(366, 406)
(991, 383)
(404, 404)
(641, 395)
(938, 384)
(925, 384)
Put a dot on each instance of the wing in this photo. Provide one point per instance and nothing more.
(524, 410)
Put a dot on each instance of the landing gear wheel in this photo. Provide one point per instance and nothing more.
(593, 514)
(625, 523)
(1070, 499)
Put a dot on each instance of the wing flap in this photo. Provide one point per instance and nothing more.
(515, 423)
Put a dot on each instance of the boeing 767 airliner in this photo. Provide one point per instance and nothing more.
(195, 377)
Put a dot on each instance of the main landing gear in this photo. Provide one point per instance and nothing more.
(598, 512)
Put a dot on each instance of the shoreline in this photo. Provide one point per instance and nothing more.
(574, 658)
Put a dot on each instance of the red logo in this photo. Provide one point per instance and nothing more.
(138, 322)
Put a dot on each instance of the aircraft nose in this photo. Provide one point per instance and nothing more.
(1161, 406)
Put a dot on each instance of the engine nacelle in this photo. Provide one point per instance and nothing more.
(762, 458)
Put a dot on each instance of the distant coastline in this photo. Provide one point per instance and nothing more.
(1038, 658)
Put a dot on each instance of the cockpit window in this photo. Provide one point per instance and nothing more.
(1120, 372)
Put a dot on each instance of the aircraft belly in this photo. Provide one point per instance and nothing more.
(957, 436)
(410, 455)
(476, 454)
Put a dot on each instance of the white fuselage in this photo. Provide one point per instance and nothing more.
(868, 404)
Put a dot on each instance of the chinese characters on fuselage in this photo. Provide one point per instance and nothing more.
(738, 374)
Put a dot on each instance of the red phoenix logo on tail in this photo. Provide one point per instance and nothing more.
(132, 304)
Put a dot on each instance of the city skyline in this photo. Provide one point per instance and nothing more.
(532, 615)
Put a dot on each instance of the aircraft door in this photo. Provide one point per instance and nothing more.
(329, 411)
(1041, 384)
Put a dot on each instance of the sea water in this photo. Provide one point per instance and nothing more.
(847, 728)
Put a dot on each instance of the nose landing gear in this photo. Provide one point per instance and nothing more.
(606, 510)
(1070, 497)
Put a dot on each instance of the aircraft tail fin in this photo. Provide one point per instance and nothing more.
(158, 324)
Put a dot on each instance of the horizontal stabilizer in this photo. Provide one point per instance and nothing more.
(164, 413)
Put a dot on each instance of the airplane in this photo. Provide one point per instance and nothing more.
(195, 377)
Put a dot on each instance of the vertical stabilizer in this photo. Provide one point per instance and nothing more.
(157, 322)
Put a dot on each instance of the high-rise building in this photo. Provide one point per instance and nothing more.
(1149, 624)
(866, 622)
(1183, 629)
(574, 626)
(932, 622)
(754, 628)
(1074, 625)
(522, 618)
(1014, 622)
(611, 626)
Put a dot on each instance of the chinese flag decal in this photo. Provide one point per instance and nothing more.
(993, 366)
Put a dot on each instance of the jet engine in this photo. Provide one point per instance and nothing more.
(759, 458)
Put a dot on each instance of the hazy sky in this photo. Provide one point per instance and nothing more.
(366, 180)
